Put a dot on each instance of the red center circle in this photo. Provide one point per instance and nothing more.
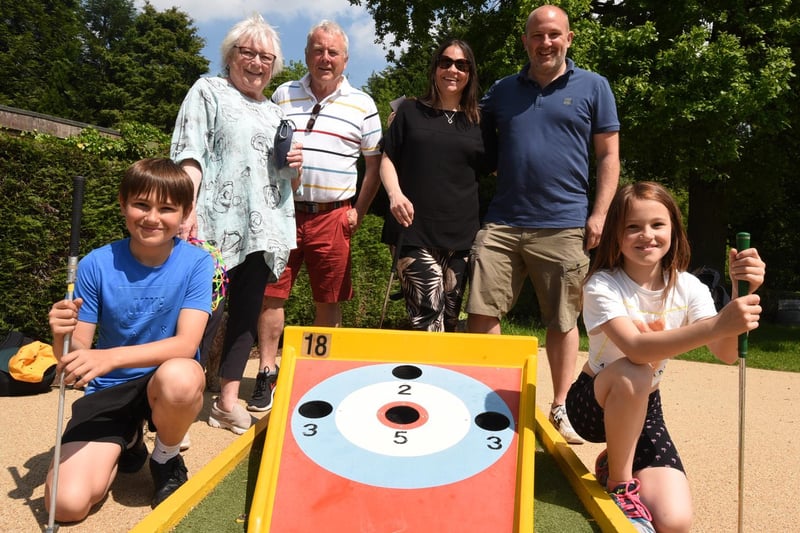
(402, 415)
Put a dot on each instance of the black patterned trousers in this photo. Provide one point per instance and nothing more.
(433, 283)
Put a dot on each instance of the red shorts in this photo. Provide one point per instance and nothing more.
(323, 243)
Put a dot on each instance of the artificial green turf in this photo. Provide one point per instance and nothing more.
(224, 510)
(556, 507)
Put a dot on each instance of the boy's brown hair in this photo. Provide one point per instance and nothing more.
(161, 176)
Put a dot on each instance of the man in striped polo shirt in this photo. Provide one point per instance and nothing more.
(336, 124)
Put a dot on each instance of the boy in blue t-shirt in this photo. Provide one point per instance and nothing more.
(146, 299)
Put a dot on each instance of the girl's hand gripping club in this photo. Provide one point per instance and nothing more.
(743, 287)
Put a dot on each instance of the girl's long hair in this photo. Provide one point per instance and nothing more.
(469, 97)
(608, 255)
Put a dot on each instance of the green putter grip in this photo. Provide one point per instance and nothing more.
(743, 243)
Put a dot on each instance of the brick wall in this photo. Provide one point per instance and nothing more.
(19, 120)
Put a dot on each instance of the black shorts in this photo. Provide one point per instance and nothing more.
(655, 446)
(113, 414)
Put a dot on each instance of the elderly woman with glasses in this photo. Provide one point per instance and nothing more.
(433, 156)
(224, 139)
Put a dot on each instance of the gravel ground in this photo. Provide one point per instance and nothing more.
(701, 409)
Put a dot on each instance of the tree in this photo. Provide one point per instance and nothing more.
(704, 89)
(106, 22)
(39, 48)
(293, 70)
(151, 68)
(697, 84)
(98, 61)
(419, 26)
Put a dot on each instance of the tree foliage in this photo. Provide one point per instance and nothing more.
(706, 92)
(152, 67)
(702, 82)
(39, 48)
(293, 70)
(98, 61)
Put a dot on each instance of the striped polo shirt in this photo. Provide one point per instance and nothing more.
(347, 125)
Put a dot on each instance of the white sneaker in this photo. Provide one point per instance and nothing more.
(558, 417)
(186, 443)
(238, 420)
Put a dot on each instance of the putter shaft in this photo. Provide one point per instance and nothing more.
(743, 288)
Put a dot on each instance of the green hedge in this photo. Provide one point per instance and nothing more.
(36, 174)
(36, 177)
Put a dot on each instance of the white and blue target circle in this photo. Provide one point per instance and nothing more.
(403, 426)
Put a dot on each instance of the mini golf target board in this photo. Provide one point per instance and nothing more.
(381, 431)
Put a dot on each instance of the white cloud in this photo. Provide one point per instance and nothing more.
(214, 10)
(289, 16)
(356, 21)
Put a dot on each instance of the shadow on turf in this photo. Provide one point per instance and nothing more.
(556, 507)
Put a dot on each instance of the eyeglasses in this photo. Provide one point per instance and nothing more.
(250, 54)
(445, 63)
(313, 118)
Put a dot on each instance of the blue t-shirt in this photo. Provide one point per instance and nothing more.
(543, 138)
(134, 304)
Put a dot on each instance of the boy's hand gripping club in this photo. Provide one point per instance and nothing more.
(72, 273)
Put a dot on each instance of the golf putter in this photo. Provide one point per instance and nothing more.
(395, 255)
(72, 274)
(742, 243)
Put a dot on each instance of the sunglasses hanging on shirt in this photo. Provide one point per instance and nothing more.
(313, 118)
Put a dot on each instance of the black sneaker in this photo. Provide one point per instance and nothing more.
(264, 391)
(134, 455)
(167, 478)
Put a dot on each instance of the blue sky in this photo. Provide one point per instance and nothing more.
(292, 19)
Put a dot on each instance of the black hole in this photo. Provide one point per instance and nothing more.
(407, 372)
(402, 414)
(315, 409)
(491, 421)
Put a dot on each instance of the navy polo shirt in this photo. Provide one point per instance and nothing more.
(543, 138)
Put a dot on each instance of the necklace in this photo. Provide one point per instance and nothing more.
(449, 117)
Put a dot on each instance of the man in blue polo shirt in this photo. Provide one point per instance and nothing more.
(543, 122)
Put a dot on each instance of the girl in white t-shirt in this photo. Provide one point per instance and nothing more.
(641, 308)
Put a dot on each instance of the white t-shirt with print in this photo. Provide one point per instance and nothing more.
(611, 294)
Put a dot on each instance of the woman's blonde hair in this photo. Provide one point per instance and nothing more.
(257, 29)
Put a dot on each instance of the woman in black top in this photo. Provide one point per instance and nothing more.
(433, 156)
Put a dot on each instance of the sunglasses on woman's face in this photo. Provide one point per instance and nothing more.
(445, 63)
